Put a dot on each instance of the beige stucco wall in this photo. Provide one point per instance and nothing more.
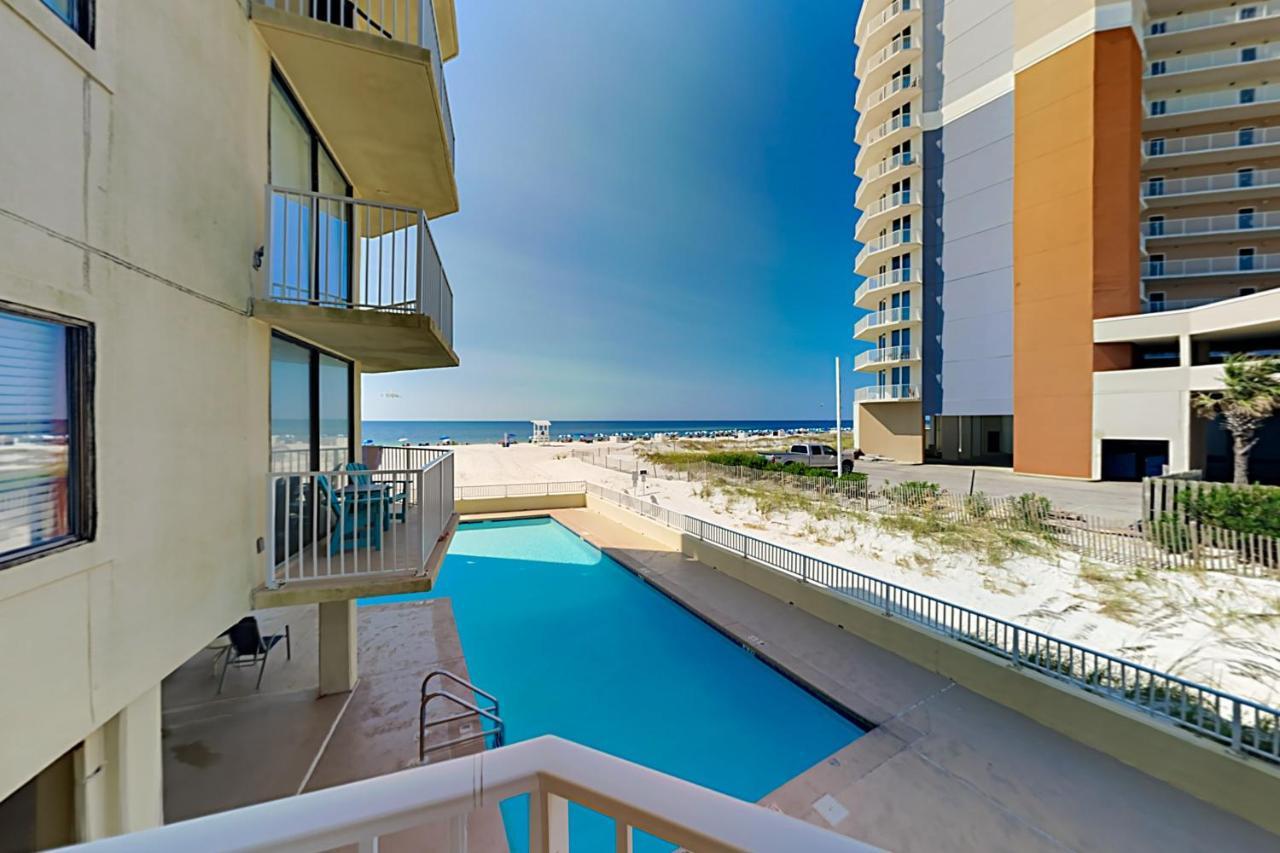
(895, 430)
(474, 506)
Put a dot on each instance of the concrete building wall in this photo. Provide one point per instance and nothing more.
(891, 429)
(968, 45)
(968, 284)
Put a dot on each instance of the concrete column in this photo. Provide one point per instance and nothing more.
(337, 646)
(119, 773)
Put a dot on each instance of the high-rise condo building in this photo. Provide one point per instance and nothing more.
(1066, 225)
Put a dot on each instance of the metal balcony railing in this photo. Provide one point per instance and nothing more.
(1160, 305)
(894, 124)
(1228, 265)
(886, 17)
(884, 280)
(1212, 59)
(1205, 142)
(1220, 99)
(407, 21)
(890, 202)
(889, 241)
(888, 52)
(889, 164)
(1212, 18)
(887, 317)
(882, 393)
(888, 90)
(1199, 225)
(1222, 182)
(327, 525)
(886, 355)
(337, 252)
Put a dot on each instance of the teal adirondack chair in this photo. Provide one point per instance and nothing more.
(395, 494)
(357, 524)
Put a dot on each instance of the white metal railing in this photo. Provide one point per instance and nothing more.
(1224, 223)
(1236, 97)
(1224, 265)
(892, 278)
(891, 201)
(519, 490)
(325, 525)
(1221, 182)
(887, 165)
(880, 131)
(407, 21)
(392, 456)
(888, 90)
(892, 240)
(337, 252)
(1182, 64)
(1158, 306)
(293, 459)
(887, 317)
(887, 53)
(883, 393)
(875, 24)
(553, 771)
(1211, 18)
(885, 355)
(1210, 142)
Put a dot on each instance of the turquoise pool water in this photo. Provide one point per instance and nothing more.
(575, 645)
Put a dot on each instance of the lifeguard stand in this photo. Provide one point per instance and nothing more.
(541, 431)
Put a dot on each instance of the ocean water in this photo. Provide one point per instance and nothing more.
(486, 432)
(574, 645)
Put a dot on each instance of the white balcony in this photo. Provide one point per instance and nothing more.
(886, 320)
(877, 286)
(1212, 228)
(1223, 147)
(1190, 268)
(884, 23)
(1159, 306)
(880, 139)
(358, 277)
(876, 106)
(1174, 192)
(894, 242)
(881, 210)
(1233, 104)
(887, 394)
(1212, 66)
(1221, 25)
(881, 357)
(891, 57)
(332, 531)
(885, 172)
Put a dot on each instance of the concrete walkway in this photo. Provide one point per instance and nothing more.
(944, 769)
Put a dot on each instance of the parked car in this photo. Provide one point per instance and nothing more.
(816, 456)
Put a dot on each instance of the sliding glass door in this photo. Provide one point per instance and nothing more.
(312, 417)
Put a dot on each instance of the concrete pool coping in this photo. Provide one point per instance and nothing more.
(943, 767)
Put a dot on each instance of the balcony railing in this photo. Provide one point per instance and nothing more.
(407, 21)
(1161, 305)
(884, 18)
(886, 355)
(887, 53)
(890, 202)
(889, 241)
(351, 525)
(887, 317)
(1229, 265)
(336, 252)
(1212, 59)
(888, 90)
(893, 125)
(1212, 18)
(889, 164)
(1221, 99)
(1199, 225)
(435, 800)
(882, 393)
(890, 279)
(1222, 182)
(1205, 142)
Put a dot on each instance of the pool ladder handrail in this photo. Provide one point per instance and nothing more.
(470, 709)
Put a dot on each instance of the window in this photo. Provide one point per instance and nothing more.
(1246, 291)
(1244, 259)
(1244, 217)
(1157, 68)
(77, 14)
(1155, 147)
(1155, 265)
(1155, 226)
(1248, 54)
(1244, 177)
(1244, 136)
(1247, 95)
(1155, 300)
(1248, 12)
(1158, 108)
(799, 448)
(312, 417)
(827, 451)
(1155, 186)
(46, 461)
(1158, 28)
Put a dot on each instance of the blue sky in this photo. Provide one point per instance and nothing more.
(656, 212)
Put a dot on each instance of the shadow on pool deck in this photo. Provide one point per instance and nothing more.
(944, 768)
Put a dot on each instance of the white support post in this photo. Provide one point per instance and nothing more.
(839, 423)
(548, 822)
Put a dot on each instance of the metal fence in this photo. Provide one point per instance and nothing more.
(1247, 727)
(522, 490)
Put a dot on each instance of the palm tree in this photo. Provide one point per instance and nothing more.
(1251, 395)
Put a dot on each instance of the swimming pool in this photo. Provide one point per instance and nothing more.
(575, 645)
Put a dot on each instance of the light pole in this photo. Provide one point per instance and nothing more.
(839, 418)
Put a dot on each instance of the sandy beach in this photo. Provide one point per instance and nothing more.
(1211, 627)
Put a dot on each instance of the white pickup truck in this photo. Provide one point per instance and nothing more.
(815, 456)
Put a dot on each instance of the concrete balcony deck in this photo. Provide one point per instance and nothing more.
(877, 287)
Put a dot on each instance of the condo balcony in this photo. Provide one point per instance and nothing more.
(371, 76)
(1235, 266)
(882, 357)
(1158, 306)
(887, 394)
(1227, 186)
(877, 105)
(1201, 229)
(896, 242)
(358, 277)
(336, 535)
(880, 140)
(1212, 67)
(1209, 27)
(1234, 104)
(879, 212)
(875, 72)
(1224, 147)
(886, 320)
(885, 20)
(876, 287)
(882, 173)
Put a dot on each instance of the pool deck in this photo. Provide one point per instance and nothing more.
(943, 768)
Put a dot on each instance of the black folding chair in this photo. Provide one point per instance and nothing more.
(249, 648)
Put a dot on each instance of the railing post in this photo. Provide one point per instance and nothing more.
(548, 822)
(420, 303)
(1017, 645)
(270, 534)
(424, 8)
(1237, 727)
(266, 248)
